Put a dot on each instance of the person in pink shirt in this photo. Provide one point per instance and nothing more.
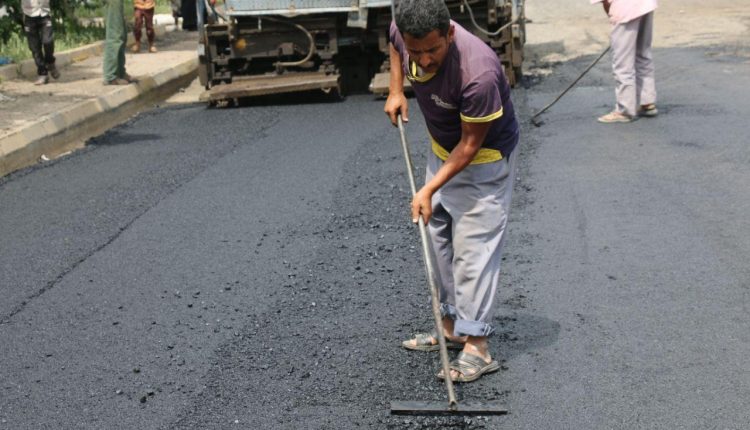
(632, 29)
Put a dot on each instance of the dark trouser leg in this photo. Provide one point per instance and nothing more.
(32, 27)
(138, 25)
(148, 16)
(48, 40)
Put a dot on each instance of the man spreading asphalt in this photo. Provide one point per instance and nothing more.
(465, 99)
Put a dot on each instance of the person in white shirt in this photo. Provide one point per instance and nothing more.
(632, 64)
(37, 24)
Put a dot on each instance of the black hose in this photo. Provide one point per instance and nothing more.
(489, 33)
(533, 118)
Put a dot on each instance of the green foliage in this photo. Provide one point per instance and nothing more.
(163, 6)
(10, 24)
(65, 14)
(74, 21)
(17, 48)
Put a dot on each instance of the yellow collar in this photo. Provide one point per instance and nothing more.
(413, 73)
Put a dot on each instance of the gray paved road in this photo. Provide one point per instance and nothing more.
(253, 268)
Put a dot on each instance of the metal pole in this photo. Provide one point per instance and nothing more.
(430, 275)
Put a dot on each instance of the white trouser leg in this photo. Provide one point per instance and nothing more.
(623, 40)
(644, 63)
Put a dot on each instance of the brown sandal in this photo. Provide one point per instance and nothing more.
(424, 342)
(471, 367)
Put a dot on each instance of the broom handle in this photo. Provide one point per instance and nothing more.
(430, 274)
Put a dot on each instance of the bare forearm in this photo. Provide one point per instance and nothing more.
(396, 103)
(459, 158)
(396, 85)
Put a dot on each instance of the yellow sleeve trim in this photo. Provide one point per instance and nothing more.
(484, 156)
(487, 118)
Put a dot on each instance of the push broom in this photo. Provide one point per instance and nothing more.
(452, 406)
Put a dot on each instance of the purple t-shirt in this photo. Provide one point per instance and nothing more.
(469, 86)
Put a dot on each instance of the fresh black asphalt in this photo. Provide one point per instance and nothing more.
(255, 267)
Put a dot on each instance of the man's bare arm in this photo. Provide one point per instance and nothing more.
(396, 103)
(472, 137)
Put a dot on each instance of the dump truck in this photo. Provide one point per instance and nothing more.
(261, 47)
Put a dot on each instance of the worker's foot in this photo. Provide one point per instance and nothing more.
(52, 69)
(429, 342)
(614, 117)
(469, 367)
(117, 81)
(41, 80)
(136, 48)
(648, 110)
(129, 78)
(152, 48)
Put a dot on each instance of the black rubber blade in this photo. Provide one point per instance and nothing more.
(443, 408)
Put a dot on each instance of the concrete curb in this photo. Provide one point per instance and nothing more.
(58, 132)
(27, 68)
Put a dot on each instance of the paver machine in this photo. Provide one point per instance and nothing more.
(259, 47)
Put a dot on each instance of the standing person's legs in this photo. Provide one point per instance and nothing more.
(644, 63)
(478, 199)
(137, 28)
(440, 233)
(32, 27)
(48, 43)
(440, 229)
(123, 43)
(623, 41)
(114, 45)
(149, 17)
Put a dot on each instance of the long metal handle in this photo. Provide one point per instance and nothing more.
(430, 274)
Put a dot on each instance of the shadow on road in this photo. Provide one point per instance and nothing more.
(521, 333)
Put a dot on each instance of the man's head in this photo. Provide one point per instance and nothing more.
(427, 31)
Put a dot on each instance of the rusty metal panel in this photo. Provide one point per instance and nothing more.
(271, 84)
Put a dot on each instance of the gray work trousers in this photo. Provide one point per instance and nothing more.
(467, 231)
(632, 64)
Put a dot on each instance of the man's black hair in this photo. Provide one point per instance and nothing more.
(420, 17)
